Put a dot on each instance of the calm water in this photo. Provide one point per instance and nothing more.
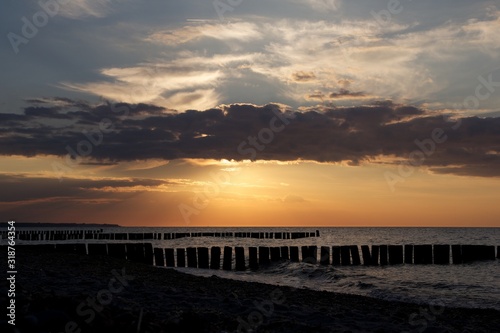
(467, 285)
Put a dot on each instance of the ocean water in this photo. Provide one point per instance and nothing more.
(472, 285)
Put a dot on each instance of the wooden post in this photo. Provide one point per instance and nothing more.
(159, 260)
(375, 254)
(313, 254)
(181, 258)
(215, 257)
(441, 254)
(284, 253)
(240, 258)
(395, 254)
(228, 258)
(488, 252)
(345, 255)
(264, 255)
(191, 257)
(355, 255)
(336, 255)
(117, 250)
(423, 254)
(252, 255)
(203, 257)
(456, 253)
(80, 248)
(275, 254)
(169, 257)
(383, 249)
(365, 250)
(148, 253)
(408, 254)
(98, 249)
(325, 255)
(294, 253)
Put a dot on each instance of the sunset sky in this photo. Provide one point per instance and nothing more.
(250, 112)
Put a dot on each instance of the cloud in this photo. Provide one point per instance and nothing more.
(341, 94)
(32, 188)
(302, 76)
(238, 31)
(292, 198)
(322, 5)
(382, 131)
(78, 9)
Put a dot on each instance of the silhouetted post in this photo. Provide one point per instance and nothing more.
(240, 258)
(264, 255)
(345, 255)
(309, 254)
(423, 254)
(489, 252)
(325, 255)
(355, 255)
(117, 250)
(336, 255)
(135, 252)
(383, 249)
(159, 259)
(408, 254)
(191, 257)
(294, 253)
(95, 249)
(203, 257)
(284, 253)
(313, 254)
(498, 251)
(375, 254)
(365, 250)
(181, 258)
(228, 258)
(456, 254)
(395, 254)
(317, 233)
(252, 254)
(148, 253)
(215, 257)
(275, 254)
(170, 257)
(441, 254)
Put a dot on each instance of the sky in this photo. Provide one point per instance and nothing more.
(250, 113)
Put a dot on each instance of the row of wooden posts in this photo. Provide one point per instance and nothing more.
(204, 257)
(55, 235)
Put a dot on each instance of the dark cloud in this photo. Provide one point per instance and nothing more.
(341, 94)
(348, 134)
(302, 76)
(25, 188)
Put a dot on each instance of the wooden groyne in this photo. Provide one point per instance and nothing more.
(61, 235)
(239, 258)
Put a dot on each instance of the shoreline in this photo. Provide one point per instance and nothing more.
(99, 294)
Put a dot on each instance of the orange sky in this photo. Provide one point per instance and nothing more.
(245, 194)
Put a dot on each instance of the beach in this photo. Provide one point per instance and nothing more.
(58, 292)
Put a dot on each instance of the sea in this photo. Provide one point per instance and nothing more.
(471, 285)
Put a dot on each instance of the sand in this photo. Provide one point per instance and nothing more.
(76, 293)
